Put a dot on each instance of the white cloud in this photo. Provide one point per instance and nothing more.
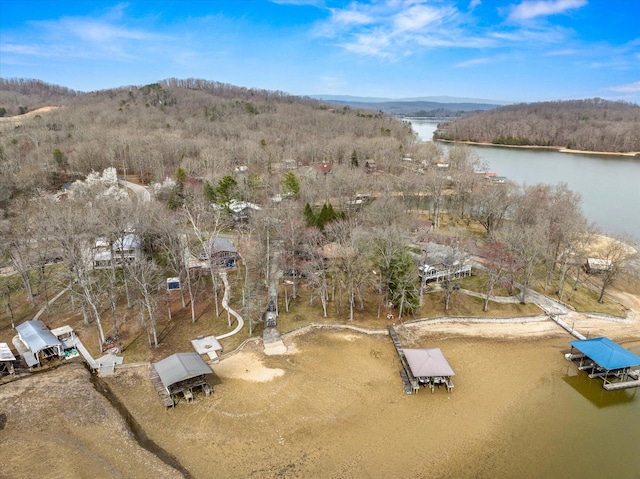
(538, 8)
(628, 88)
(107, 36)
(395, 28)
(474, 62)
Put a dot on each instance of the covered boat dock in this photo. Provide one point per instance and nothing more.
(178, 375)
(430, 367)
(605, 359)
(36, 343)
(422, 367)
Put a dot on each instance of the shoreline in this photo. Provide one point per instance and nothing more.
(559, 149)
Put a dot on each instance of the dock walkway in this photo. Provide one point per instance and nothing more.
(165, 398)
(409, 382)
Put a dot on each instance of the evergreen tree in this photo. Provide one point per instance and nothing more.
(174, 201)
(209, 192)
(323, 217)
(226, 189)
(354, 159)
(309, 217)
(290, 185)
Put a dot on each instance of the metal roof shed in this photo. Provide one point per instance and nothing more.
(6, 359)
(179, 373)
(181, 366)
(39, 340)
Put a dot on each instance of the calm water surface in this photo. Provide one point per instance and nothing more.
(571, 426)
(609, 185)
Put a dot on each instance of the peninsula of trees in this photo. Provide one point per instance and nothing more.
(589, 125)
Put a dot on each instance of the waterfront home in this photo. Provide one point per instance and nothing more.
(124, 250)
(220, 251)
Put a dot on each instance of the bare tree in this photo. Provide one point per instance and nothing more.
(148, 281)
(526, 245)
(500, 265)
(614, 254)
(206, 223)
(490, 204)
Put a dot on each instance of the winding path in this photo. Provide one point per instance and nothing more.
(225, 305)
(141, 192)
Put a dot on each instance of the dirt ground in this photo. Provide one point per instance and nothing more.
(56, 424)
(333, 407)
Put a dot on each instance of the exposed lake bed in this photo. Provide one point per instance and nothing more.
(334, 407)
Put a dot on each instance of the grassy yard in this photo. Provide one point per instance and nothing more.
(584, 299)
(175, 334)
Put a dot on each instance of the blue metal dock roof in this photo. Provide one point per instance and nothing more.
(606, 353)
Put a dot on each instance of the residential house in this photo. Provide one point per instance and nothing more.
(125, 250)
(221, 252)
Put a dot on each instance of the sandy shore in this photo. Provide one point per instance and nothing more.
(553, 148)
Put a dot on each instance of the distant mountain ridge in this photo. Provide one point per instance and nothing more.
(436, 106)
(431, 99)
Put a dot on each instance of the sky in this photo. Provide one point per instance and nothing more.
(505, 50)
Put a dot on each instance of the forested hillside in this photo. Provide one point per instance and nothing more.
(592, 125)
(208, 128)
(18, 95)
(333, 198)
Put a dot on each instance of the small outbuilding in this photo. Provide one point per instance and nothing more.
(597, 265)
(178, 376)
(39, 343)
(430, 367)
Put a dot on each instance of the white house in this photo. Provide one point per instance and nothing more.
(124, 250)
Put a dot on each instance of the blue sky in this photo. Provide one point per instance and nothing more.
(510, 50)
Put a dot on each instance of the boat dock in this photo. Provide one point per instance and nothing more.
(165, 398)
(604, 359)
(566, 327)
(409, 382)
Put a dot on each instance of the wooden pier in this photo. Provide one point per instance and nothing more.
(165, 398)
(409, 382)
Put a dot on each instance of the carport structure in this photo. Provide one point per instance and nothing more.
(606, 359)
(35, 343)
(178, 375)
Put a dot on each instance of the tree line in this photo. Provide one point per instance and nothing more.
(591, 125)
(303, 164)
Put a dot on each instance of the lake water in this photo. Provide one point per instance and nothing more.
(609, 184)
(571, 426)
